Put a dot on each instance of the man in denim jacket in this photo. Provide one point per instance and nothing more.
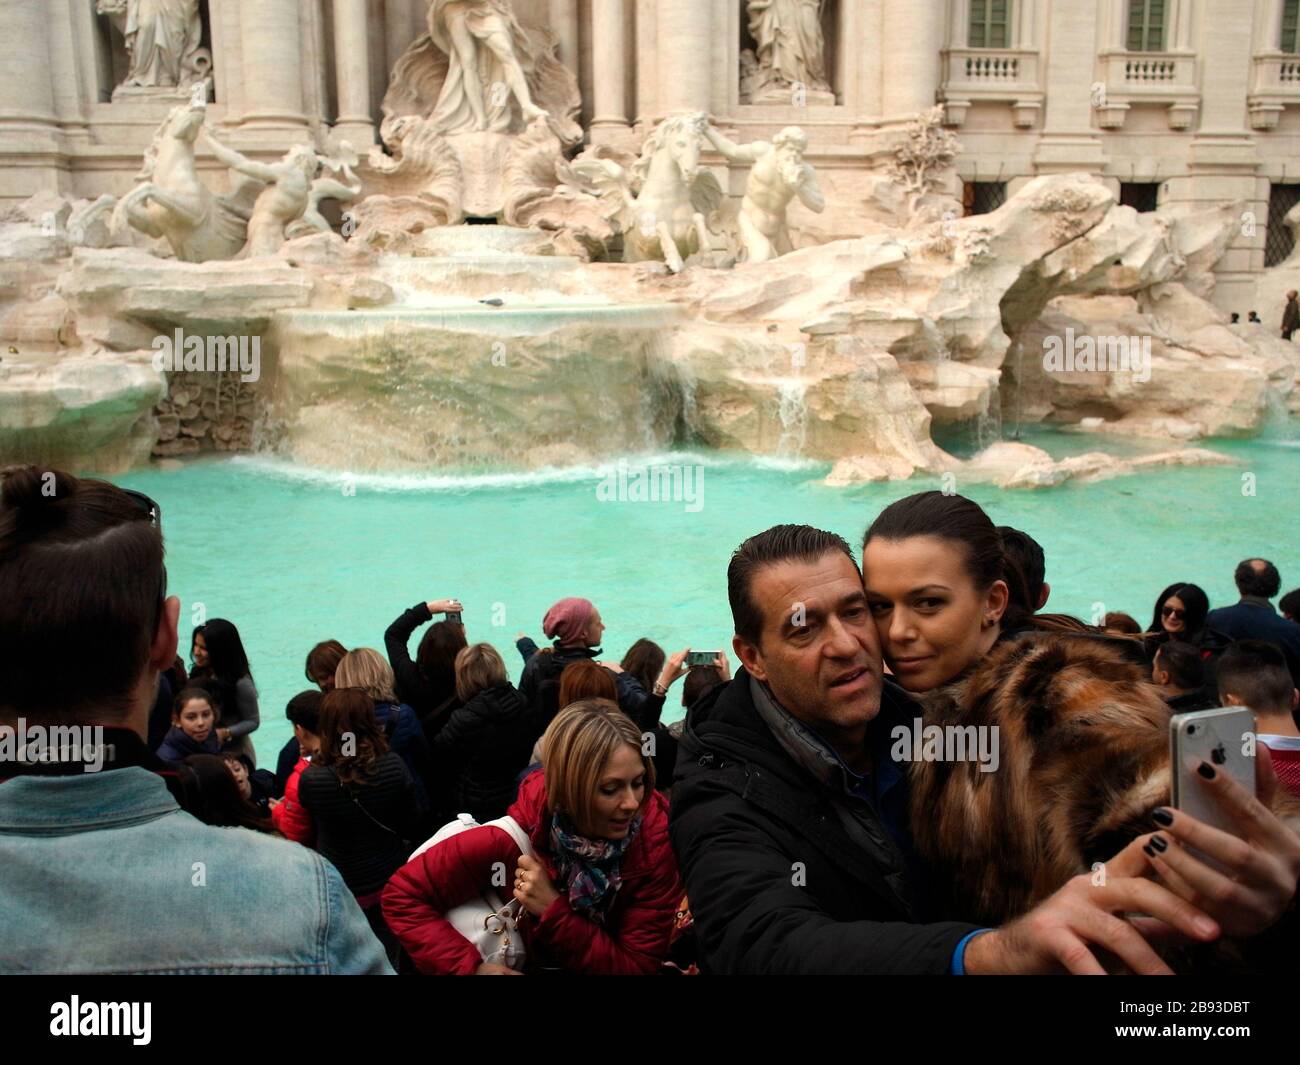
(100, 868)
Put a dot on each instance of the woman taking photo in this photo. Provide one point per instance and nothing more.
(361, 800)
(428, 684)
(600, 893)
(1080, 735)
(221, 666)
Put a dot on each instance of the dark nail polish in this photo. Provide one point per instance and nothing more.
(1206, 770)
(1162, 817)
(1149, 850)
(1159, 843)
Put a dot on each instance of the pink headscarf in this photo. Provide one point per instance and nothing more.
(567, 620)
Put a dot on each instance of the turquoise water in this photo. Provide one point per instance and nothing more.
(295, 556)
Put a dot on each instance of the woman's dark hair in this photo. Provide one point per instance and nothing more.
(324, 659)
(196, 692)
(1197, 604)
(81, 565)
(225, 651)
(960, 521)
(304, 710)
(212, 795)
(644, 660)
(699, 680)
(351, 740)
(584, 679)
(781, 543)
(436, 657)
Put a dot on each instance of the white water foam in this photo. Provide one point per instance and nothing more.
(519, 479)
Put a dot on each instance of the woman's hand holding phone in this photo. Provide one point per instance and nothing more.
(1261, 862)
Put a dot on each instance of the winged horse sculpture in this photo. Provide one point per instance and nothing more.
(661, 202)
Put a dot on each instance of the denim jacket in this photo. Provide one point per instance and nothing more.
(103, 872)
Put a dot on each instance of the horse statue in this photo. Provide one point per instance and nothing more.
(662, 204)
(174, 204)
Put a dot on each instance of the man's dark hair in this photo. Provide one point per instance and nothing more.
(1256, 673)
(1289, 604)
(1264, 582)
(304, 710)
(81, 573)
(781, 543)
(1023, 550)
(1183, 663)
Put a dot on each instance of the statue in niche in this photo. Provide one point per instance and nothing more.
(779, 174)
(163, 39)
(791, 53)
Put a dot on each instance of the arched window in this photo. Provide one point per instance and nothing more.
(1146, 25)
(990, 24)
(1291, 26)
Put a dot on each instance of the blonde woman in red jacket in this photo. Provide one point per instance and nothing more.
(600, 894)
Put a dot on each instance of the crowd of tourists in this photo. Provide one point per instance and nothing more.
(432, 815)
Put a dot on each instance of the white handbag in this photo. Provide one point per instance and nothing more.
(487, 922)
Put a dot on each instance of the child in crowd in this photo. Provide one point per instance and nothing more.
(256, 786)
(194, 727)
(1254, 673)
(291, 820)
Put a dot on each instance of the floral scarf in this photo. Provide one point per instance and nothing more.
(589, 867)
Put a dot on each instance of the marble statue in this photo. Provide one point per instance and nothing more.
(791, 49)
(478, 117)
(173, 204)
(288, 204)
(163, 39)
(778, 175)
(328, 188)
(662, 204)
(487, 51)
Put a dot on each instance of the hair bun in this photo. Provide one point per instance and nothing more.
(23, 487)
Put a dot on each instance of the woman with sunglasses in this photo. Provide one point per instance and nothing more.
(1180, 614)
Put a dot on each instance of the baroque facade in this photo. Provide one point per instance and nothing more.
(1173, 102)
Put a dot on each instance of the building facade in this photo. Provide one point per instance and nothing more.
(1174, 102)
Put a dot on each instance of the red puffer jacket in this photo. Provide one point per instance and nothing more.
(290, 817)
(633, 940)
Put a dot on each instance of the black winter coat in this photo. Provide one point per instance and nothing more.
(482, 748)
(776, 884)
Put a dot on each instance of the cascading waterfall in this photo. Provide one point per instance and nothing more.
(792, 409)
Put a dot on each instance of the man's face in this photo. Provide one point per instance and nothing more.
(818, 651)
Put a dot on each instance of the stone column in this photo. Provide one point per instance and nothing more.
(609, 124)
(686, 46)
(911, 46)
(270, 36)
(26, 88)
(1069, 141)
(352, 63)
(71, 93)
(402, 28)
(564, 24)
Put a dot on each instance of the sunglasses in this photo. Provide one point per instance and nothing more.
(153, 514)
(1173, 612)
(152, 511)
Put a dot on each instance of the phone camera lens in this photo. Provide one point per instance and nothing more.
(1191, 730)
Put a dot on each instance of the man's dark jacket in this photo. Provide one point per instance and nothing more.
(776, 884)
